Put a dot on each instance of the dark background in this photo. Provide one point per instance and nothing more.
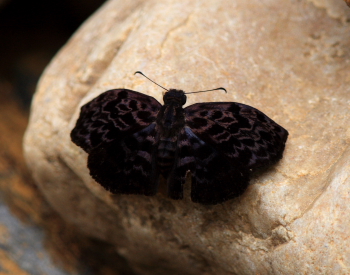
(31, 32)
(33, 238)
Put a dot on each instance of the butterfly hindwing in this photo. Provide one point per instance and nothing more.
(214, 178)
(247, 137)
(112, 116)
(127, 166)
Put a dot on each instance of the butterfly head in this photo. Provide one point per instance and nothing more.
(178, 97)
(174, 96)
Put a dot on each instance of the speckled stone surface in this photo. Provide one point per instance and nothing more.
(289, 59)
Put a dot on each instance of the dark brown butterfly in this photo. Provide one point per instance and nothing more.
(132, 139)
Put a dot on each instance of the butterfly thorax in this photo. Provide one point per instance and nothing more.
(170, 121)
(171, 117)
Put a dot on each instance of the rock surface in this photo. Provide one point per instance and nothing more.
(290, 59)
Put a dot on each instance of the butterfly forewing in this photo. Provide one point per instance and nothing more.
(112, 116)
(246, 136)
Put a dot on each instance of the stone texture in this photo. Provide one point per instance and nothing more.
(347, 2)
(33, 238)
(289, 59)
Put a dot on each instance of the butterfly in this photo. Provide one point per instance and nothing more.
(133, 141)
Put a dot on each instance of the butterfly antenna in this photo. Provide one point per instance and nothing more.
(138, 72)
(208, 91)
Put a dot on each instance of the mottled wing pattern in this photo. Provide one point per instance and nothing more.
(214, 179)
(247, 137)
(112, 116)
(220, 144)
(127, 166)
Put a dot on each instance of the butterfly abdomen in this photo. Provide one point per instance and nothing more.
(170, 121)
(166, 156)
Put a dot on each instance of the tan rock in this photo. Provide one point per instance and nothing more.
(290, 59)
(347, 2)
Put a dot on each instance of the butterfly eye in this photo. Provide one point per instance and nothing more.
(184, 99)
